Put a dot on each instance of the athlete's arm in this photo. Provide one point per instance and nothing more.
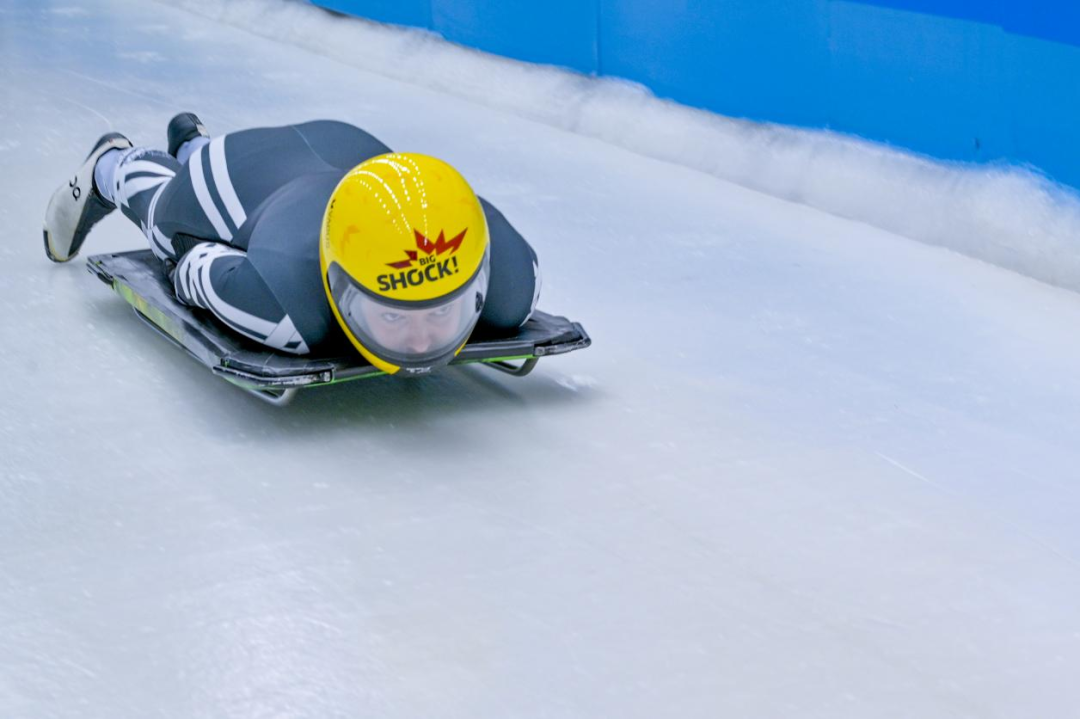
(514, 287)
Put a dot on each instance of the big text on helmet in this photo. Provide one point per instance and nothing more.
(430, 268)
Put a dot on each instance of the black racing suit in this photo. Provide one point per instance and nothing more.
(241, 220)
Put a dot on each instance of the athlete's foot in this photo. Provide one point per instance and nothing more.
(182, 129)
(78, 205)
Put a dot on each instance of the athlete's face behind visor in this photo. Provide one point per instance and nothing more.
(409, 337)
(413, 332)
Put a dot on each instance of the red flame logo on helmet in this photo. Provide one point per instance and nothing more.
(438, 247)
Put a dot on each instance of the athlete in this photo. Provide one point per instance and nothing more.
(294, 236)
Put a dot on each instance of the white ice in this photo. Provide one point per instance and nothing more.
(809, 468)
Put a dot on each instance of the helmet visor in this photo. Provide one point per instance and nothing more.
(411, 335)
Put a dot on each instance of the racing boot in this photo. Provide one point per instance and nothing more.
(78, 205)
(183, 128)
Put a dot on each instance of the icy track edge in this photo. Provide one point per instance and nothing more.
(1006, 215)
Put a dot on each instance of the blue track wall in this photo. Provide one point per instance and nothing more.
(976, 80)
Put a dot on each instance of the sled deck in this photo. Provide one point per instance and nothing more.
(275, 376)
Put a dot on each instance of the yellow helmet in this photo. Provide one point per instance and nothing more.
(404, 257)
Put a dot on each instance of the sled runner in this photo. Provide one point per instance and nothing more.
(274, 376)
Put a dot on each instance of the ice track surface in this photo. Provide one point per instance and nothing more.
(808, 468)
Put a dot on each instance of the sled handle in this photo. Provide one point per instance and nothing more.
(516, 370)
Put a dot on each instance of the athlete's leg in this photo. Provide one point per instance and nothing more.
(228, 177)
(222, 279)
(514, 286)
(136, 179)
(156, 192)
(178, 205)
